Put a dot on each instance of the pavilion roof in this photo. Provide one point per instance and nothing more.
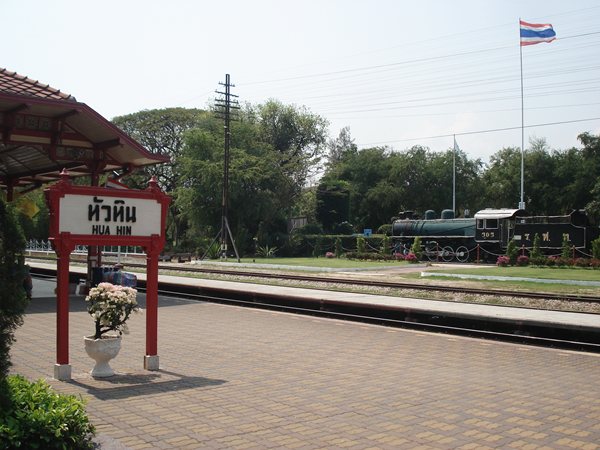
(44, 130)
(13, 83)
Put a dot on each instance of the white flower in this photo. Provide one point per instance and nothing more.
(110, 305)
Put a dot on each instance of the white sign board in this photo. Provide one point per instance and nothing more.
(115, 216)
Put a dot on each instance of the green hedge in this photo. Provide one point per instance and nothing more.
(304, 245)
(370, 256)
(37, 417)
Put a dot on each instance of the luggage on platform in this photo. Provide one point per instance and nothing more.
(114, 276)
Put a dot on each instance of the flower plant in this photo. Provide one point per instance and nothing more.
(503, 261)
(411, 258)
(111, 305)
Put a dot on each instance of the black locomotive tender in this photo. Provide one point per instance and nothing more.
(487, 235)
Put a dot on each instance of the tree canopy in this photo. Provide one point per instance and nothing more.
(163, 131)
(277, 150)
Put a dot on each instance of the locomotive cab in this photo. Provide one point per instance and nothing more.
(496, 226)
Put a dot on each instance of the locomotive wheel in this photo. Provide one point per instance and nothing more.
(447, 254)
(462, 254)
(431, 253)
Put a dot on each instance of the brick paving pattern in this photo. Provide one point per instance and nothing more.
(243, 378)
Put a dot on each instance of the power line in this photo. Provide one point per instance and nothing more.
(466, 133)
(399, 63)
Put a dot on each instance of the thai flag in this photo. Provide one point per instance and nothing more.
(534, 33)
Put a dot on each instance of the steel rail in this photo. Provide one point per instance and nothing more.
(385, 284)
(379, 284)
(386, 317)
(538, 335)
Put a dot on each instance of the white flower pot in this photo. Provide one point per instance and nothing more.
(102, 351)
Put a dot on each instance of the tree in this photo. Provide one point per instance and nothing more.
(502, 178)
(365, 173)
(340, 146)
(542, 191)
(13, 300)
(297, 135)
(257, 189)
(333, 203)
(33, 216)
(306, 204)
(163, 131)
(591, 152)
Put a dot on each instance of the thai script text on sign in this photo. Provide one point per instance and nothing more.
(100, 215)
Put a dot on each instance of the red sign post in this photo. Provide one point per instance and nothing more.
(85, 215)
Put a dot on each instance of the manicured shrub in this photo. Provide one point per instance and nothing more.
(361, 245)
(596, 248)
(369, 256)
(317, 247)
(385, 245)
(595, 263)
(581, 262)
(386, 229)
(329, 255)
(37, 417)
(538, 261)
(522, 260)
(416, 248)
(512, 251)
(566, 252)
(562, 262)
(399, 256)
(536, 251)
(338, 247)
(344, 228)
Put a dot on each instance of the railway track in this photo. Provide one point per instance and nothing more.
(526, 333)
(482, 329)
(377, 283)
(382, 284)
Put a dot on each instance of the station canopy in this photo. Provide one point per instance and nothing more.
(44, 130)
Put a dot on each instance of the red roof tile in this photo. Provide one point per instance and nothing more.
(13, 83)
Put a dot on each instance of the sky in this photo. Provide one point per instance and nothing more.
(398, 73)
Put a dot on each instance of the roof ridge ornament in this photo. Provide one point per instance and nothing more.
(65, 177)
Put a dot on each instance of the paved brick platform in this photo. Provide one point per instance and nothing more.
(240, 378)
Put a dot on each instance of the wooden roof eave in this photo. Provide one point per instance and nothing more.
(82, 118)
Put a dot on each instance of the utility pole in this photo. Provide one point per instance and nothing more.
(223, 107)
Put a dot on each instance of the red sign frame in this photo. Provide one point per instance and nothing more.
(64, 243)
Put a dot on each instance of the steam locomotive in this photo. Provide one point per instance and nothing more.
(487, 234)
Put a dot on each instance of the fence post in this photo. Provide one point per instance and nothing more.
(477, 253)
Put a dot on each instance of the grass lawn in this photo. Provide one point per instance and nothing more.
(336, 263)
(546, 273)
(528, 272)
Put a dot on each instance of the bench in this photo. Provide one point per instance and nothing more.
(179, 257)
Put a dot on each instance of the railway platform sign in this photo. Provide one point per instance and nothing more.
(87, 215)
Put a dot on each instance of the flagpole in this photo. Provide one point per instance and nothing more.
(454, 176)
(522, 202)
